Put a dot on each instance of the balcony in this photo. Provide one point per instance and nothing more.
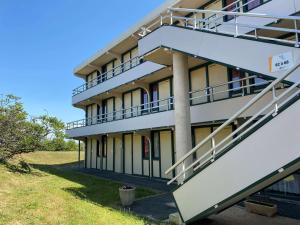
(122, 74)
(209, 104)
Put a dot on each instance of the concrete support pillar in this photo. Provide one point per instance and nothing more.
(183, 134)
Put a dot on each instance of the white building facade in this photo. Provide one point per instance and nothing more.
(172, 80)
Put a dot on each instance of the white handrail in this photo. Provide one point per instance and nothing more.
(231, 119)
(147, 107)
(213, 24)
(101, 77)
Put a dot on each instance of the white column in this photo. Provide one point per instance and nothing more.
(183, 134)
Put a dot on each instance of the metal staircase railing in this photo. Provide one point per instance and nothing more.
(260, 115)
(217, 21)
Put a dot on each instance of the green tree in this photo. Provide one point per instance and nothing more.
(17, 133)
(20, 133)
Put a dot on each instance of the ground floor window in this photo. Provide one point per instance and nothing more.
(145, 147)
(156, 145)
(104, 146)
(98, 148)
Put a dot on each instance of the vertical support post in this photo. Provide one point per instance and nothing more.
(296, 34)
(214, 150)
(183, 140)
(236, 26)
(79, 154)
(275, 98)
(211, 92)
(171, 19)
(195, 20)
(161, 20)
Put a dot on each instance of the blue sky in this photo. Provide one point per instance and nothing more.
(42, 41)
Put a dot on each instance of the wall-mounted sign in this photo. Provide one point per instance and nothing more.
(281, 62)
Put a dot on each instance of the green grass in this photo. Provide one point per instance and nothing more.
(52, 195)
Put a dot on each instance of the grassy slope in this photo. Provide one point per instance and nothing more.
(53, 196)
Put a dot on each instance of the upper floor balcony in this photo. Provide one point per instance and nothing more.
(209, 104)
(126, 72)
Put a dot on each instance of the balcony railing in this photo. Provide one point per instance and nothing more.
(210, 20)
(222, 91)
(108, 75)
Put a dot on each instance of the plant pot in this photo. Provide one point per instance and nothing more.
(127, 195)
(261, 208)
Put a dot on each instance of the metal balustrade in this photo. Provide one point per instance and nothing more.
(262, 113)
(108, 75)
(211, 20)
(208, 94)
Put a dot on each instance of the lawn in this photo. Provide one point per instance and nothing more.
(52, 195)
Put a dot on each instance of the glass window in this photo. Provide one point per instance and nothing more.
(259, 81)
(145, 146)
(251, 4)
(104, 146)
(231, 7)
(156, 145)
(104, 110)
(154, 95)
(98, 148)
(144, 100)
(103, 74)
(236, 76)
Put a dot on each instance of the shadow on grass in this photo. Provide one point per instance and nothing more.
(91, 189)
(21, 167)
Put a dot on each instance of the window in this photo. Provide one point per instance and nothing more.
(154, 96)
(156, 145)
(251, 4)
(258, 82)
(231, 8)
(238, 84)
(145, 147)
(103, 71)
(98, 148)
(144, 101)
(104, 146)
(104, 110)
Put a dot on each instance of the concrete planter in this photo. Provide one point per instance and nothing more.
(261, 208)
(127, 195)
